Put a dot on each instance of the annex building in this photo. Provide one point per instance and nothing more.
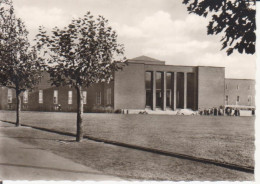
(145, 83)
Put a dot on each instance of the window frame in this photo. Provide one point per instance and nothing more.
(55, 98)
(40, 100)
(70, 97)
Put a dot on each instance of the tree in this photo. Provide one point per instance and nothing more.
(235, 19)
(81, 54)
(18, 68)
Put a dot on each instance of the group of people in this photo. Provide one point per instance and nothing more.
(221, 111)
(212, 111)
(232, 111)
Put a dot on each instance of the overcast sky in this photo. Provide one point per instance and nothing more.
(161, 29)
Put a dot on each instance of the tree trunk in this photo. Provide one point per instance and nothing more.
(18, 108)
(79, 135)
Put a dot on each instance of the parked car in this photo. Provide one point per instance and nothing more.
(186, 112)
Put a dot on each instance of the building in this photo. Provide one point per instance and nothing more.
(145, 83)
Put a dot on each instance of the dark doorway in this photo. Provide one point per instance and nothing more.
(169, 89)
(159, 87)
(180, 90)
(148, 88)
(190, 91)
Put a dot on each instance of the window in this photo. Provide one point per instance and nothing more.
(55, 97)
(237, 87)
(238, 99)
(249, 99)
(84, 94)
(98, 98)
(226, 86)
(159, 88)
(148, 88)
(40, 96)
(169, 89)
(9, 96)
(70, 97)
(108, 96)
(25, 96)
(226, 100)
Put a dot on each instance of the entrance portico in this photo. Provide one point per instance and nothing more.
(168, 90)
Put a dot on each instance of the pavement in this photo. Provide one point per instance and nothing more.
(19, 161)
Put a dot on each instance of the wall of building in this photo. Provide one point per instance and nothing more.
(205, 87)
(244, 88)
(211, 81)
(62, 104)
(130, 87)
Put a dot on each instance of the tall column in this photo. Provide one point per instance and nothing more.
(185, 91)
(164, 91)
(154, 90)
(174, 90)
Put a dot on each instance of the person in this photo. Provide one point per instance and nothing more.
(215, 111)
(205, 112)
(59, 107)
(221, 112)
(253, 111)
(228, 111)
(232, 112)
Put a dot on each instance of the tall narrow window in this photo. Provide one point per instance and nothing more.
(159, 77)
(108, 96)
(249, 100)
(98, 98)
(237, 87)
(249, 87)
(169, 89)
(9, 96)
(237, 101)
(191, 89)
(70, 97)
(84, 94)
(40, 96)
(148, 88)
(55, 97)
(226, 86)
(25, 96)
(226, 100)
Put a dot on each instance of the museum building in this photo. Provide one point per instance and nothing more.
(144, 83)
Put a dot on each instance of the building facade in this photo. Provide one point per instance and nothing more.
(145, 83)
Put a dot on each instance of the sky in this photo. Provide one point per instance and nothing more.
(161, 29)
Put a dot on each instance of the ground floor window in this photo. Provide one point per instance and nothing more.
(55, 97)
(84, 94)
(70, 97)
(25, 96)
(148, 88)
(249, 100)
(226, 100)
(109, 96)
(159, 87)
(238, 99)
(9, 96)
(169, 89)
(40, 96)
(98, 98)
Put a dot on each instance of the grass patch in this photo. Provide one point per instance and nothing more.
(123, 162)
(226, 139)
